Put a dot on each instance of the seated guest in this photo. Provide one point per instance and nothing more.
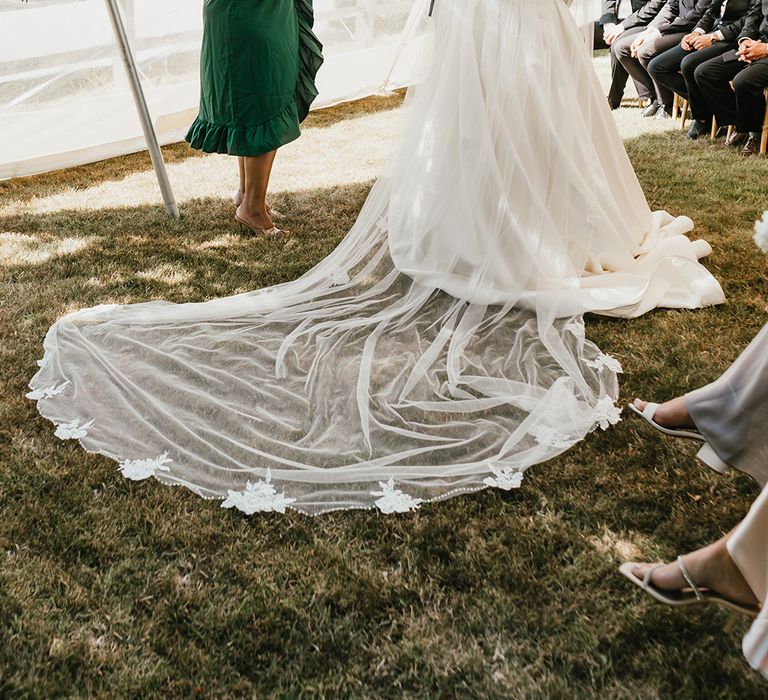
(620, 40)
(729, 416)
(742, 106)
(671, 22)
(715, 34)
(732, 572)
(610, 26)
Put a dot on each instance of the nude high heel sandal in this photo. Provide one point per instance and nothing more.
(237, 199)
(274, 231)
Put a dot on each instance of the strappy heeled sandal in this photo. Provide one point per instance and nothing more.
(237, 199)
(274, 231)
(706, 454)
(693, 595)
(648, 414)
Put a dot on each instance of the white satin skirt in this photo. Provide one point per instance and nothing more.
(513, 184)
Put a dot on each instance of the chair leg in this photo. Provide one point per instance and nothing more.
(731, 129)
(675, 106)
(684, 114)
(713, 133)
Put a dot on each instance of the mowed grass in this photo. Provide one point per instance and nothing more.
(110, 588)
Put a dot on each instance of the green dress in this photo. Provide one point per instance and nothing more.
(257, 75)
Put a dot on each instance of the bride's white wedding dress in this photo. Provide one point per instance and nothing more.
(440, 349)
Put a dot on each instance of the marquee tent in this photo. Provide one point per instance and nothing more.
(65, 97)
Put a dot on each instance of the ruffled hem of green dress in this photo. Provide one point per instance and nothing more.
(245, 140)
(284, 127)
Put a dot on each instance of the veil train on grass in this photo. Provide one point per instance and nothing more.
(440, 349)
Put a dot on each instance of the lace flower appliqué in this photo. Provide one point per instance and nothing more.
(73, 430)
(47, 392)
(505, 478)
(260, 497)
(140, 469)
(45, 361)
(393, 500)
(550, 437)
(607, 362)
(607, 413)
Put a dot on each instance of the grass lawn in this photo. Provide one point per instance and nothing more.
(110, 588)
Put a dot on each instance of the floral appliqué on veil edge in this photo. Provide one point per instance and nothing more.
(73, 430)
(604, 361)
(504, 478)
(607, 413)
(261, 497)
(47, 392)
(393, 500)
(140, 469)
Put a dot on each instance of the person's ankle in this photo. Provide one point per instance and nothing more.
(712, 567)
(257, 210)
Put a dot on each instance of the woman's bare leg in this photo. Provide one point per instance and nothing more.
(239, 194)
(253, 209)
(241, 168)
(710, 567)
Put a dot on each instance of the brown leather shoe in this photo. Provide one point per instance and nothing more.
(736, 139)
(751, 147)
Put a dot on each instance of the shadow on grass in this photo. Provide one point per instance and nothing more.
(110, 588)
(58, 262)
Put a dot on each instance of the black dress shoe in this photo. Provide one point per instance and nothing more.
(652, 109)
(736, 139)
(699, 128)
(751, 147)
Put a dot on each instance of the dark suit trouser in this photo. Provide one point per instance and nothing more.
(675, 68)
(619, 75)
(744, 105)
(638, 67)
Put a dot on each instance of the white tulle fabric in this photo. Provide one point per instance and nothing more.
(440, 349)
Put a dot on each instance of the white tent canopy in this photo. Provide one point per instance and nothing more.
(65, 99)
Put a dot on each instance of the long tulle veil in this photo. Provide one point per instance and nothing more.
(360, 385)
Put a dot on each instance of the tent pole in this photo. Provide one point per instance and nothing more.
(141, 107)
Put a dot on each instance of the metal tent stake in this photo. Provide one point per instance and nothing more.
(141, 107)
